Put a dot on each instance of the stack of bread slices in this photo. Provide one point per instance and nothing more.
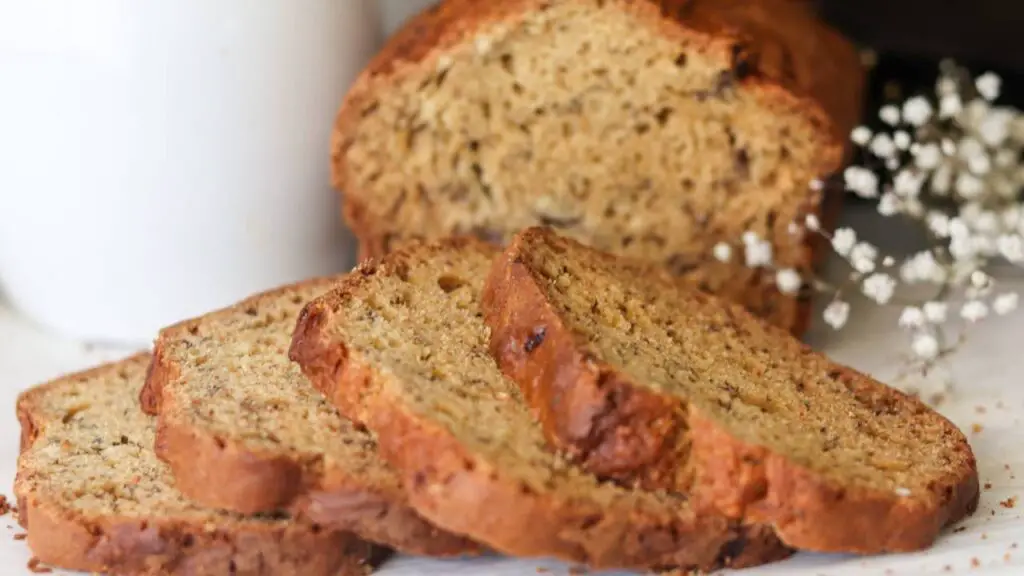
(530, 362)
(453, 399)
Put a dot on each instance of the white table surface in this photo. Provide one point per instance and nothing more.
(988, 392)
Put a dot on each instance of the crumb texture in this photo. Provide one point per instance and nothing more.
(95, 497)
(653, 132)
(416, 369)
(226, 378)
(735, 381)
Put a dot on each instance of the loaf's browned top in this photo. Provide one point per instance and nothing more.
(645, 380)
(94, 496)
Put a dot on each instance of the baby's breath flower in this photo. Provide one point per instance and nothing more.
(988, 85)
(950, 105)
(1011, 247)
(925, 346)
(812, 223)
(917, 111)
(788, 281)
(861, 181)
(912, 317)
(907, 183)
(901, 139)
(922, 267)
(843, 240)
(980, 280)
(888, 204)
(722, 252)
(935, 312)
(883, 146)
(757, 252)
(863, 256)
(974, 310)
(1005, 303)
(938, 223)
(879, 287)
(888, 261)
(861, 135)
(890, 115)
(836, 314)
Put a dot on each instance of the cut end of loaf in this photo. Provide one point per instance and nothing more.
(609, 121)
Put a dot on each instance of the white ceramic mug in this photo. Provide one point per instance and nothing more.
(162, 158)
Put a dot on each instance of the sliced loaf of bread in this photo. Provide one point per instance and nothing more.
(94, 497)
(402, 346)
(243, 430)
(643, 380)
(650, 128)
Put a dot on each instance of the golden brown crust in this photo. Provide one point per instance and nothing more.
(222, 473)
(63, 537)
(457, 489)
(626, 431)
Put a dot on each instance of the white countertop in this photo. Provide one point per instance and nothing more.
(988, 392)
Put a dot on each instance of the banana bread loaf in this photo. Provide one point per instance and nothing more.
(402, 347)
(94, 497)
(652, 128)
(646, 381)
(243, 430)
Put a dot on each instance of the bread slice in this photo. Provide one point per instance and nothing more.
(653, 129)
(94, 497)
(243, 430)
(643, 380)
(402, 347)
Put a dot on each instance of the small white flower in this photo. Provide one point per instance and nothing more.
(938, 223)
(925, 346)
(907, 183)
(902, 492)
(911, 317)
(974, 311)
(950, 105)
(888, 261)
(892, 163)
(879, 287)
(1011, 246)
(788, 281)
(722, 252)
(988, 85)
(980, 280)
(917, 111)
(888, 204)
(946, 85)
(860, 135)
(883, 146)
(969, 186)
(750, 237)
(843, 241)
(948, 147)
(979, 165)
(994, 128)
(935, 312)
(758, 253)
(812, 223)
(861, 181)
(836, 314)
(817, 185)
(1005, 303)
(902, 139)
(958, 228)
(890, 115)
(922, 267)
(928, 156)
(863, 256)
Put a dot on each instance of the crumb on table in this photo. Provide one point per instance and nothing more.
(34, 565)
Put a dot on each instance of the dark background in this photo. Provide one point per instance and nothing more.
(912, 36)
